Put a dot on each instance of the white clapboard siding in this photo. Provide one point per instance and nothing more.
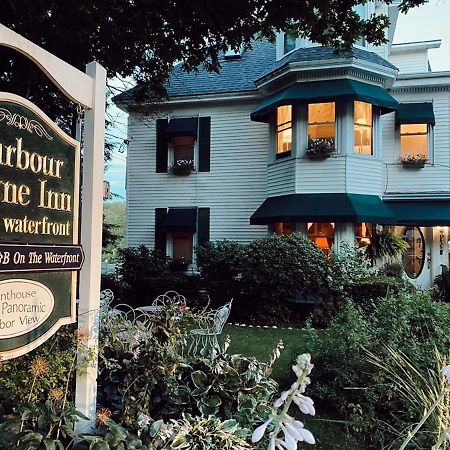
(281, 177)
(233, 189)
(321, 176)
(410, 62)
(364, 175)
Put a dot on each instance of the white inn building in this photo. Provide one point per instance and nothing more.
(293, 137)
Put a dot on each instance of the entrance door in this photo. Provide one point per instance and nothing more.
(417, 258)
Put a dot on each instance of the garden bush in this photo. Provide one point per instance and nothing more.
(411, 323)
(365, 291)
(220, 264)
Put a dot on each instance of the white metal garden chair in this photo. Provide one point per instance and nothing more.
(210, 326)
(163, 301)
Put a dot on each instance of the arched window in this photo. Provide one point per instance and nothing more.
(414, 256)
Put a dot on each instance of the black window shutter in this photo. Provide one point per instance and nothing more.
(161, 146)
(203, 226)
(160, 234)
(204, 144)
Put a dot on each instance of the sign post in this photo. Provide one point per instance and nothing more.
(39, 167)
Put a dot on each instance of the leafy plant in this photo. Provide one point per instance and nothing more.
(409, 322)
(322, 147)
(182, 167)
(414, 158)
(47, 425)
(200, 433)
(385, 244)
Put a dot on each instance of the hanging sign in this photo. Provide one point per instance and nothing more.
(39, 251)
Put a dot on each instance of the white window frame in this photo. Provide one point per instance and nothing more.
(375, 131)
(169, 247)
(171, 154)
(430, 143)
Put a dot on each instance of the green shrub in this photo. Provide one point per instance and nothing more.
(220, 264)
(365, 291)
(410, 322)
(278, 267)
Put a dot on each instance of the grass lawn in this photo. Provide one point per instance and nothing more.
(259, 342)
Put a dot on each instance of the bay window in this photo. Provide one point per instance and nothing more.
(283, 144)
(363, 128)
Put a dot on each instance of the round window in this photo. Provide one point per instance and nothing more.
(414, 256)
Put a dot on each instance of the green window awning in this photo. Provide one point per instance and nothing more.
(415, 113)
(182, 127)
(325, 91)
(342, 208)
(421, 212)
(180, 219)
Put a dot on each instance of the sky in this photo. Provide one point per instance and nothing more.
(427, 22)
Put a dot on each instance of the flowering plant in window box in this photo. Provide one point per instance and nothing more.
(416, 160)
(182, 167)
(179, 265)
(320, 148)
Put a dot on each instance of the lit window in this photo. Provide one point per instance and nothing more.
(322, 234)
(182, 246)
(363, 233)
(288, 42)
(414, 256)
(321, 122)
(414, 140)
(363, 128)
(282, 228)
(284, 131)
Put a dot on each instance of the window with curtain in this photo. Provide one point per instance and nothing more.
(283, 144)
(414, 141)
(363, 128)
(182, 246)
(321, 123)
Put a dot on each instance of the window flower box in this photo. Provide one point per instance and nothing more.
(320, 149)
(182, 167)
(178, 265)
(414, 161)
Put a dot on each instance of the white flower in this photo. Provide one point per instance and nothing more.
(305, 404)
(259, 432)
(446, 372)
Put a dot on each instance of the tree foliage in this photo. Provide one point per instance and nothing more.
(143, 39)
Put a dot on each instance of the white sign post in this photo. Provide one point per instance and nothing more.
(87, 90)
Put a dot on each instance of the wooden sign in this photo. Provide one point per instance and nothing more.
(39, 201)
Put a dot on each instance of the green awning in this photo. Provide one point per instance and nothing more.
(342, 208)
(182, 127)
(421, 212)
(325, 91)
(180, 219)
(415, 113)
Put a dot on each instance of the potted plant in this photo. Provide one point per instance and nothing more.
(415, 160)
(320, 148)
(182, 167)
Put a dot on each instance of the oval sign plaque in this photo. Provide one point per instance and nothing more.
(24, 305)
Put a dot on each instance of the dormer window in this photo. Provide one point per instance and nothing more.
(289, 40)
(321, 122)
(363, 128)
(283, 144)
